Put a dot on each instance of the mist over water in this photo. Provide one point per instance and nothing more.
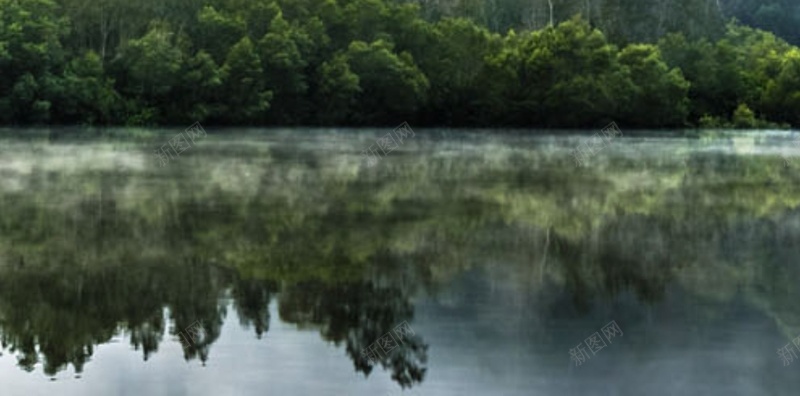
(497, 250)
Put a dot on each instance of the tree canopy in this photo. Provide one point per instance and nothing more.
(652, 63)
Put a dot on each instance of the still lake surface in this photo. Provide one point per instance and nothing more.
(286, 256)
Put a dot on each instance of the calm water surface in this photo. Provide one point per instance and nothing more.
(286, 256)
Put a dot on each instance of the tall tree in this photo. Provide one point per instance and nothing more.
(246, 96)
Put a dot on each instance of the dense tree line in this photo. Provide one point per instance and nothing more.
(626, 20)
(377, 62)
(779, 16)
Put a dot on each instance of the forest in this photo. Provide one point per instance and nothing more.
(459, 63)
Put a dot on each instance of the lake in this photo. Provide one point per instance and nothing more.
(280, 262)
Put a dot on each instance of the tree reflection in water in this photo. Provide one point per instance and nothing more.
(88, 254)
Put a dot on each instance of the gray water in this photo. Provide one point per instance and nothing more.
(288, 255)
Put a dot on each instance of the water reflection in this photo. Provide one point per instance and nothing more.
(101, 246)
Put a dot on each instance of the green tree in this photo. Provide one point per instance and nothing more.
(285, 73)
(84, 94)
(245, 94)
(201, 80)
(782, 96)
(659, 95)
(151, 71)
(337, 93)
(454, 62)
(563, 76)
(217, 32)
(392, 87)
(30, 53)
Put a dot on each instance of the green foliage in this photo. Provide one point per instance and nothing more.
(743, 117)
(201, 80)
(30, 51)
(245, 95)
(390, 84)
(782, 96)
(779, 16)
(284, 69)
(561, 76)
(454, 61)
(380, 62)
(217, 33)
(151, 67)
(742, 68)
(337, 92)
(84, 94)
(659, 93)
